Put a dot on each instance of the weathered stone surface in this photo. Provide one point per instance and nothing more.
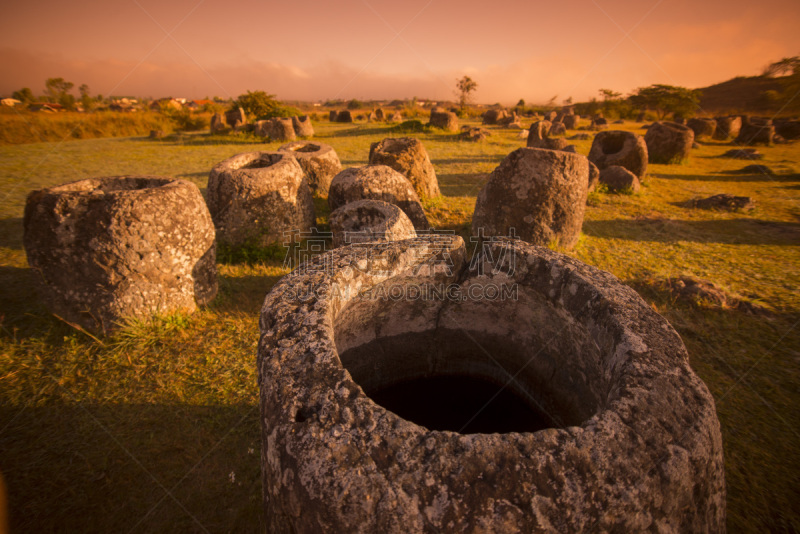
(523, 134)
(618, 147)
(539, 193)
(281, 129)
(302, 126)
(668, 142)
(257, 196)
(703, 128)
(344, 116)
(594, 176)
(556, 129)
(319, 161)
(333, 115)
(235, 117)
(217, 123)
(599, 123)
(628, 439)
(743, 153)
(756, 131)
(372, 117)
(377, 182)
(262, 128)
(724, 202)
(539, 137)
(619, 179)
(156, 134)
(570, 121)
(407, 156)
(509, 119)
(728, 127)
(491, 116)
(108, 248)
(396, 117)
(446, 120)
(475, 134)
(787, 128)
(550, 116)
(369, 221)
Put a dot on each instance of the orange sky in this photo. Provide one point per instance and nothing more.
(390, 49)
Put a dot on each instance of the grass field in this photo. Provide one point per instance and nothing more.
(156, 428)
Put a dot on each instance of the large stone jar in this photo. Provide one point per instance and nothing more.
(534, 394)
(256, 198)
(106, 249)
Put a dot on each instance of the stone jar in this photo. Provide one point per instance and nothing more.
(255, 198)
(608, 429)
(107, 249)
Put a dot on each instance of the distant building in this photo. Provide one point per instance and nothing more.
(10, 102)
(173, 103)
(194, 105)
(46, 107)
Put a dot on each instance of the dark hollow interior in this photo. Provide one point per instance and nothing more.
(460, 403)
(613, 144)
(307, 148)
(267, 160)
(128, 183)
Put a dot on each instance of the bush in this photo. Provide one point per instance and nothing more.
(259, 105)
(354, 104)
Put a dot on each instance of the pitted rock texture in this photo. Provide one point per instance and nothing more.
(257, 196)
(570, 121)
(756, 131)
(475, 134)
(369, 221)
(668, 142)
(281, 129)
(446, 120)
(378, 182)
(344, 116)
(634, 443)
(491, 116)
(556, 129)
(789, 129)
(407, 156)
(727, 127)
(618, 179)
(105, 249)
(302, 126)
(703, 129)
(539, 137)
(217, 123)
(594, 176)
(621, 148)
(540, 194)
(333, 115)
(319, 161)
(235, 117)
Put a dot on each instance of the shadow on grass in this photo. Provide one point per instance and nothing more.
(111, 467)
(731, 232)
(243, 293)
(11, 233)
(732, 176)
(461, 185)
(358, 131)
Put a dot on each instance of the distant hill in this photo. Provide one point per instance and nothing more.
(741, 94)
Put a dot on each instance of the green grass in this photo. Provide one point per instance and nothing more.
(156, 428)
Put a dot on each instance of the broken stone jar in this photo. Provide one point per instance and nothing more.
(408, 388)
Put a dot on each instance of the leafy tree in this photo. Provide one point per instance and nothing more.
(86, 100)
(58, 89)
(521, 103)
(260, 105)
(464, 89)
(608, 94)
(24, 95)
(664, 99)
(354, 104)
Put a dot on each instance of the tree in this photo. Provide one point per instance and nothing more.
(464, 89)
(86, 100)
(260, 105)
(58, 89)
(664, 99)
(24, 95)
(354, 104)
(788, 65)
(608, 94)
(521, 103)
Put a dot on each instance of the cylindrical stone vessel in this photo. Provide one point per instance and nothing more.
(256, 198)
(319, 161)
(105, 249)
(369, 221)
(407, 388)
(536, 194)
